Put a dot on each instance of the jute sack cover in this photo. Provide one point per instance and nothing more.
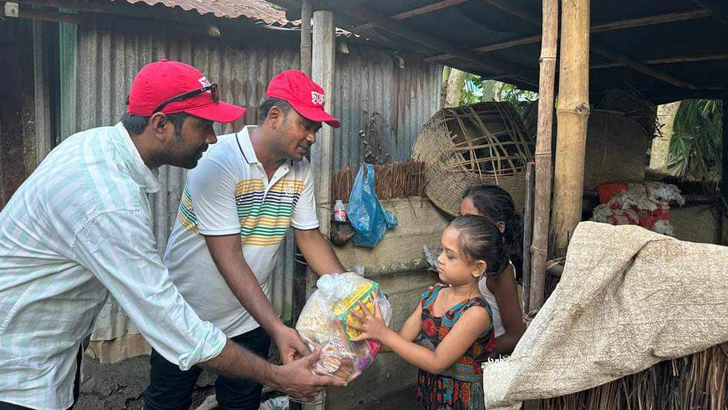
(628, 298)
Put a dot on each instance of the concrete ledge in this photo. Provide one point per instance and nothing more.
(420, 223)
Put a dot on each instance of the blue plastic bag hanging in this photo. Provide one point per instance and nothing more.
(366, 214)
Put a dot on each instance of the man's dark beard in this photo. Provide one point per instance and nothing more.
(188, 162)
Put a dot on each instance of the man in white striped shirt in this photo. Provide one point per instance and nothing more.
(79, 229)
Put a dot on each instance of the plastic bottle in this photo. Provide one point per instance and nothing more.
(339, 211)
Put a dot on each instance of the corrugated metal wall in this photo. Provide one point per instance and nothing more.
(372, 83)
(367, 81)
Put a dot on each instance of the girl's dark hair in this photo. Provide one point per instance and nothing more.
(480, 240)
(495, 203)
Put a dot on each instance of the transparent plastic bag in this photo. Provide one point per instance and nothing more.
(324, 323)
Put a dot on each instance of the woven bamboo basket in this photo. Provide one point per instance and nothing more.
(616, 139)
(484, 143)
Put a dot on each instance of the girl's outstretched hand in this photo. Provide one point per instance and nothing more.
(370, 325)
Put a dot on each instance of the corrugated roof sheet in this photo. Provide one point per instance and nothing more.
(252, 9)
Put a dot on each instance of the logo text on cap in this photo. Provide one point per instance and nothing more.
(317, 98)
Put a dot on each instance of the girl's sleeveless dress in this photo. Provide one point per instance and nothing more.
(461, 386)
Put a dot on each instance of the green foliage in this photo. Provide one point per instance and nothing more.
(521, 99)
(695, 147)
(473, 90)
(478, 90)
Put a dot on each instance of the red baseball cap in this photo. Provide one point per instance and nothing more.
(162, 80)
(304, 95)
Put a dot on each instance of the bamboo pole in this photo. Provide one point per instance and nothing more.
(669, 60)
(510, 8)
(573, 116)
(415, 12)
(640, 66)
(597, 28)
(528, 234)
(651, 20)
(306, 50)
(435, 43)
(496, 46)
(716, 7)
(542, 192)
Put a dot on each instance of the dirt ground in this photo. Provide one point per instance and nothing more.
(399, 401)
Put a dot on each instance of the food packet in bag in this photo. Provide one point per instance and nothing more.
(324, 323)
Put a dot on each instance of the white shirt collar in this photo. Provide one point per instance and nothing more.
(140, 172)
(246, 148)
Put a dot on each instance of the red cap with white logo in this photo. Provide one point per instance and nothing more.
(304, 95)
(161, 81)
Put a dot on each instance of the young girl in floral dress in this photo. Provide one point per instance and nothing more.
(452, 318)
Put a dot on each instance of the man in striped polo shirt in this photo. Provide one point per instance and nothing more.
(237, 207)
(79, 229)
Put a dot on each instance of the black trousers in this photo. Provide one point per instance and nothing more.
(171, 388)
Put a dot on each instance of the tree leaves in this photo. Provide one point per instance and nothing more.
(695, 147)
(476, 90)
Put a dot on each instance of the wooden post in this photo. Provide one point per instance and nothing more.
(300, 281)
(542, 192)
(41, 74)
(306, 11)
(573, 116)
(724, 158)
(528, 235)
(322, 151)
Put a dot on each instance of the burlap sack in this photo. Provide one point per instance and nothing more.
(628, 298)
